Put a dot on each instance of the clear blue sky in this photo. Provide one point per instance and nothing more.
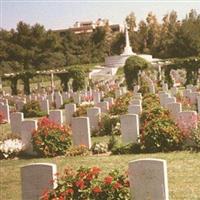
(62, 14)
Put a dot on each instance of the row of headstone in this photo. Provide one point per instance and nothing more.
(186, 120)
(148, 179)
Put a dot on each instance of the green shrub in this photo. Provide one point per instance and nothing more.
(192, 142)
(108, 125)
(153, 114)
(112, 142)
(150, 101)
(81, 150)
(126, 148)
(82, 110)
(70, 100)
(133, 65)
(144, 88)
(161, 134)
(32, 109)
(121, 105)
(51, 139)
(111, 93)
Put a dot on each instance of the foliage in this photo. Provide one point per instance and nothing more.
(82, 110)
(98, 148)
(150, 101)
(32, 109)
(121, 105)
(78, 75)
(70, 100)
(112, 142)
(126, 148)
(190, 64)
(161, 134)
(108, 125)
(133, 65)
(86, 184)
(50, 139)
(34, 48)
(111, 93)
(152, 114)
(192, 142)
(144, 88)
(78, 151)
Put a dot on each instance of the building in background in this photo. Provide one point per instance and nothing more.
(84, 27)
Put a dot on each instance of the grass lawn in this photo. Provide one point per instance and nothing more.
(183, 171)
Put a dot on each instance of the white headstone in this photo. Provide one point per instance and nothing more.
(27, 128)
(58, 100)
(16, 119)
(135, 109)
(44, 104)
(94, 115)
(148, 179)
(96, 98)
(174, 109)
(187, 120)
(70, 109)
(81, 131)
(104, 106)
(56, 116)
(129, 128)
(36, 178)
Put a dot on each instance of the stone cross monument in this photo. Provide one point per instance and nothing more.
(127, 49)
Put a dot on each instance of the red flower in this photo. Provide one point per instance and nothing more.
(95, 170)
(117, 185)
(80, 184)
(89, 177)
(108, 180)
(81, 174)
(69, 191)
(126, 183)
(96, 189)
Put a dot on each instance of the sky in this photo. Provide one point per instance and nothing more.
(61, 14)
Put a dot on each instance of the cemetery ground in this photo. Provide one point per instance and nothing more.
(183, 169)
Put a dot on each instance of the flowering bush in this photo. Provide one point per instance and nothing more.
(186, 127)
(10, 148)
(81, 150)
(193, 141)
(186, 103)
(82, 110)
(161, 134)
(150, 101)
(111, 93)
(152, 114)
(86, 184)
(121, 105)
(51, 139)
(32, 109)
(98, 148)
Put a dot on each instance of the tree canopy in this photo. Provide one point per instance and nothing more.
(31, 48)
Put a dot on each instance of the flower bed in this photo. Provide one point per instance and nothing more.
(85, 183)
